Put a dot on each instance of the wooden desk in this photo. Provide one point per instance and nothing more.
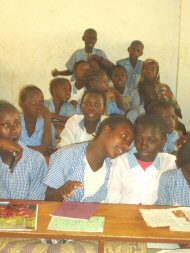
(122, 223)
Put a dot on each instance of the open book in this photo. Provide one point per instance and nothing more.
(177, 219)
(18, 216)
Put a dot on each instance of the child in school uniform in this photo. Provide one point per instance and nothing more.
(97, 79)
(81, 172)
(21, 168)
(174, 186)
(148, 92)
(38, 131)
(80, 68)
(150, 72)
(58, 105)
(135, 176)
(119, 80)
(90, 39)
(165, 110)
(132, 64)
(80, 128)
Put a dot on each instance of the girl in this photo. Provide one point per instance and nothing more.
(81, 171)
(81, 128)
(150, 71)
(37, 129)
(21, 168)
(135, 175)
(174, 186)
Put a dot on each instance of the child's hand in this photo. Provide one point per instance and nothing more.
(55, 72)
(74, 103)
(10, 147)
(44, 112)
(95, 57)
(69, 187)
(110, 95)
(182, 141)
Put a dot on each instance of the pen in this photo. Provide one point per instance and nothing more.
(12, 161)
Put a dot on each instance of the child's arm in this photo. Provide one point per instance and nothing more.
(59, 117)
(63, 192)
(56, 72)
(10, 147)
(102, 61)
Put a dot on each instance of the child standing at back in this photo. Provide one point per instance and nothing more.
(58, 105)
(21, 168)
(135, 176)
(81, 171)
(37, 128)
(132, 64)
(90, 39)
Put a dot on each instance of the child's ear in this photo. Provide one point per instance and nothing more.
(128, 49)
(83, 38)
(141, 53)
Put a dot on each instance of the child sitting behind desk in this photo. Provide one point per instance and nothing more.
(38, 131)
(21, 168)
(80, 128)
(81, 172)
(135, 175)
(174, 186)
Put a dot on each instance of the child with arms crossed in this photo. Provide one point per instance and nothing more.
(81, 172)
(21, 168)
(37, 129)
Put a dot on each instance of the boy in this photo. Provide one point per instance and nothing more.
(23, 169)
(90, 39)
(61, 109)
(132, 65)
(166, 111)
(148, 91)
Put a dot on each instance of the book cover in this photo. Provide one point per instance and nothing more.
(18, 216)
(94, 224)
(78, 210)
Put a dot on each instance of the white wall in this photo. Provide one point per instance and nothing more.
(37, 36)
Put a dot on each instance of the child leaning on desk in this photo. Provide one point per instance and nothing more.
(21, 168)
(80, 172)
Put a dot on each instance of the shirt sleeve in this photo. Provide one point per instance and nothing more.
(70, 63)
(68, 134)
(163, 191)
(39, 170)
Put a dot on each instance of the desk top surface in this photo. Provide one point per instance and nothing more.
(122, 222)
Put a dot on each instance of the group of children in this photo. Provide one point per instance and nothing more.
(117, 142)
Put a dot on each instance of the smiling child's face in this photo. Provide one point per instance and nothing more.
(90, 39)
(10, 125)
(119, 79)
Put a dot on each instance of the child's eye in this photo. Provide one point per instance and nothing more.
(17, 123)
(97, 105)
(7, 125)
(33, 102)
(124, 136)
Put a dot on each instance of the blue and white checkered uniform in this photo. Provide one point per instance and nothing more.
(170, 145)
(26, 180)
(67, 164)
(67, 109)
(135, 112)
(133, 74)
(80, 54)
(173, 189)
(36, 138)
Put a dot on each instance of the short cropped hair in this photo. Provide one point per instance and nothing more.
(6, 106)
(89, 30)
(25, 91)
(155, 106)
(92, 75)
(137, 42)
(94, 92)
(151, 120)
(183, 154)
(78, 63)
(117, 67)
(113, 121)
(57, 81)
(144, 85)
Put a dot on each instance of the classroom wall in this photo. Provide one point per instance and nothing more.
(37, 36)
